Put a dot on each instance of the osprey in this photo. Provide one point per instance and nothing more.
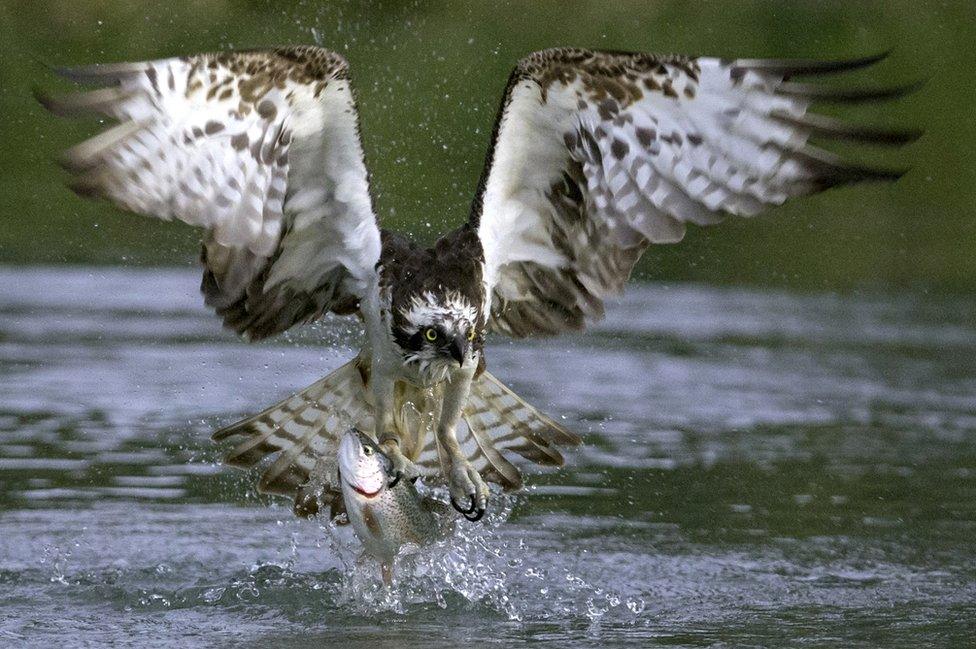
(594, 156)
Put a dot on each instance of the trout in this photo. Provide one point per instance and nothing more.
(385, 517)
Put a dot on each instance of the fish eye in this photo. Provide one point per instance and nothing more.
(430, 334)
(368, 450)
(471, 333)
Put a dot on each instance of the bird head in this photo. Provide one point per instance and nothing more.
(439, 330)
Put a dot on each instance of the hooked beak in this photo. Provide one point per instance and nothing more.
(459, 349)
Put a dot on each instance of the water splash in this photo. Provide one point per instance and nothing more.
(469, 565)
(474, 565)
(57, 558)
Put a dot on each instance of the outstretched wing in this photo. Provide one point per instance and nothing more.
(598, 154)
(259, 148)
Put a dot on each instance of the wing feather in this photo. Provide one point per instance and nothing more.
(497, 426)
(596, 155)
(260, 149)
(296, 440)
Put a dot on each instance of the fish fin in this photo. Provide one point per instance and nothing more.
(497, 422)
(296, 440)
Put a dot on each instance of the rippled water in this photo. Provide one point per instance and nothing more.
(760, 468)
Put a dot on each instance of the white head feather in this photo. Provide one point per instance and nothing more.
(452, 313)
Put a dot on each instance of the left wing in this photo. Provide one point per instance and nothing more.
(259, 148)
(597, 154)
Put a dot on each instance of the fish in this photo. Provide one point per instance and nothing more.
(385, 516)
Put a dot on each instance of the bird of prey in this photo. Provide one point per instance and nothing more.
(594, 156)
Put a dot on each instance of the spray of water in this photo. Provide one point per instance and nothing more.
(480, 565)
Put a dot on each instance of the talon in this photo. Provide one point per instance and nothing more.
(396, 480)
(477, 516)
(464, 512)
(414, 479)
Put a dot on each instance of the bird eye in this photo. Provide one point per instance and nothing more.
(471, 333)
(368, 450)
(430, 334)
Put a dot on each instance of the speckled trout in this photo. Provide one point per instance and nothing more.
(385, 517)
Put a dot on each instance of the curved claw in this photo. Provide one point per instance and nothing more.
(463, 512)
(477, 516)
(396, 480)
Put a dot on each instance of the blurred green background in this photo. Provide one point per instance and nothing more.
(429, 76)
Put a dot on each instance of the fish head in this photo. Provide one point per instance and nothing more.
(363, 467)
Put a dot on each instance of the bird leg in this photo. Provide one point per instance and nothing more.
(469, 492)
(386, 434)
(402, 467)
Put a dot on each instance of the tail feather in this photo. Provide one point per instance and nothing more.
(297, 439)
(515, 425)
(497, 422)
(249, 453)
(293, 466)
(267, 432)
(497, 469)
(534, 452)
(301, 434)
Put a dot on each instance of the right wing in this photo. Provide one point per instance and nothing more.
(259, 148)
(597, 155)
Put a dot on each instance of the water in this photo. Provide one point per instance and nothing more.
(760, 469)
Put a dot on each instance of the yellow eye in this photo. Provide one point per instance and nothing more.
(471, 333)
(430, 334)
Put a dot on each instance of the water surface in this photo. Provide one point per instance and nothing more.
(760, 469)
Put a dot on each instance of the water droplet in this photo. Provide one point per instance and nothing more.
(212, 595)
